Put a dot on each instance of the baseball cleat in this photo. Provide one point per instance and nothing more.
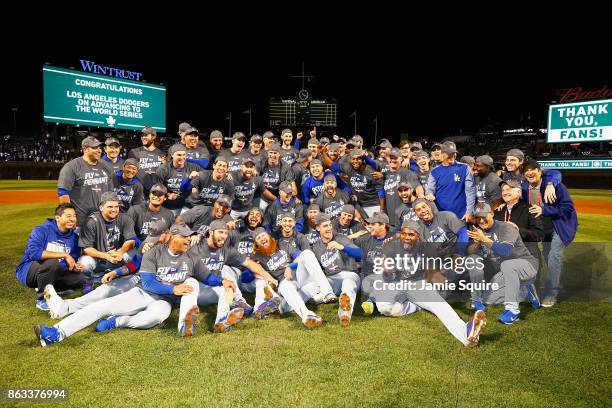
(330, 298)
(107, 324)
(46, 335)
(345, 309)
(242, 303)
(88, 287)
(368, 307)
(227, 322)
(507, 317)
(312, 320)
(42, 305)
(475, 326)
(318, 299)
(57, 306)
(549, 302)
(478, 305)
(187, 329)
(267, 308)
(532, 296)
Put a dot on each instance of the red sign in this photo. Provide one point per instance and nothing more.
(577, 94)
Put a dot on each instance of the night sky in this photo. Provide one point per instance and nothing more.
(425, 95)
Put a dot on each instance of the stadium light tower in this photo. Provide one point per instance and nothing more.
(14, 121)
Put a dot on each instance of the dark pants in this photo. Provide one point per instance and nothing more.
(51, 272)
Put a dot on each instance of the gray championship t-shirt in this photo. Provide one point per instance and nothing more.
(487, 188)
(273, 176)
(245, 191)
(275, 264)
(172, 269)
(142, 216)
(85, 183)
(392, 199)
(332, 260)
(209, 189)
(216, 258)
(106, 235)
(296, 242)
(363, 185)
(503, 232)
(331, 206)
(442, 230)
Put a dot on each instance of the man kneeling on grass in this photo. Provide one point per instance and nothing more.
(169, 275)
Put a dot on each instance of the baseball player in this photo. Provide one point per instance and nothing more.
(404, 210)
(177, 176)
(285, 203)
(169, 275)
(310, 231)
(197, 153)
(371, 244)
(50, 255)
(83, 180)
(436, 155)
(499, 243)
(391, 301)
(241, 237)
(127, 186)
(288, 153)
(452, 185)
(395, 175)
(226, 261)
(338, 257)
(255, 150)
(112, 151)
(269, 138)
(107, 240)
(144, 214)
(113, 283)
(423, 170)
(208, 185)
(274, 172)
(248, 187)
(487, 182)
(235, 153)
(448, 235)
(346, 224)
(313, 186)
(200, 217)
(332, 198)
(215, 144)
(365, 183)
(299, 280)
(148, 155)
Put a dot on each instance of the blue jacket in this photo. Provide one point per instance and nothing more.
(453, 187)
(313, 187)
(562, 212)
(46, 237)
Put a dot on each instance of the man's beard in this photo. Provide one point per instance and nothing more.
(269, 250)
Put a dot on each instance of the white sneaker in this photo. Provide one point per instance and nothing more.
(57, 306)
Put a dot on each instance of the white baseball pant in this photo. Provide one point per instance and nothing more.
(135, 309)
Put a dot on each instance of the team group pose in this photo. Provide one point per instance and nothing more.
(293, 224)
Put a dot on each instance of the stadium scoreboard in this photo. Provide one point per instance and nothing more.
(298, 112)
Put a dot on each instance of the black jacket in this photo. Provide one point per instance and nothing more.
(530, 227)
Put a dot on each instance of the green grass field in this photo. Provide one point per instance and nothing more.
(553, 357)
